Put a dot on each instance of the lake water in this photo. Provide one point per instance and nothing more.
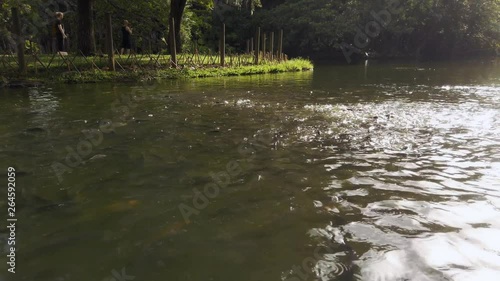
(367, 172)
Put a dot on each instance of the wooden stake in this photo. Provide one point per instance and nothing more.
(109, 42)
(223, 46)
(272, 45)
(264, 46)
(257, 45)
(280, 46)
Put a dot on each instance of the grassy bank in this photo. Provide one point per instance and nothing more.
(133, 74)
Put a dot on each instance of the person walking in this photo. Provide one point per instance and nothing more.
(60, 33)
(126, 40)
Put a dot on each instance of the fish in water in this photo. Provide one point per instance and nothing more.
(123, 206)
(216, 130)
(35, 130)
(112, 208)
(97, 157)
(169, 230)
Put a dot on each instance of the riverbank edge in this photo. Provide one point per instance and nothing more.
(101, 76)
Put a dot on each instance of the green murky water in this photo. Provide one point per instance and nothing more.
(376, 172)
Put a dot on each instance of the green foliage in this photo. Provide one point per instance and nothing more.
(268, 67)
(316, 28)
(31, 46)
(311, 25)
(148, 19)
(425, 28)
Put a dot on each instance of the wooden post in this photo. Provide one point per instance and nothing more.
(36, 66)
(223, 46)
(173, 46)
(67, 44)
(280, 46)
(248, 46)
(272, 45)
(19, 40)
(251, 45)
(263, 46)
(33, 53)
(197, 55)
(109, 42)
(257, 45)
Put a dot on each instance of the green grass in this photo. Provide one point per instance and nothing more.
(94, 70)
(266, 67)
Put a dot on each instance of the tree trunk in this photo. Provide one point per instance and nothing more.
(86, 40)
(176, 12)
(18, 36)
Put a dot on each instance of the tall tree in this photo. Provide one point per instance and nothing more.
(86, 40)
(176, 12)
